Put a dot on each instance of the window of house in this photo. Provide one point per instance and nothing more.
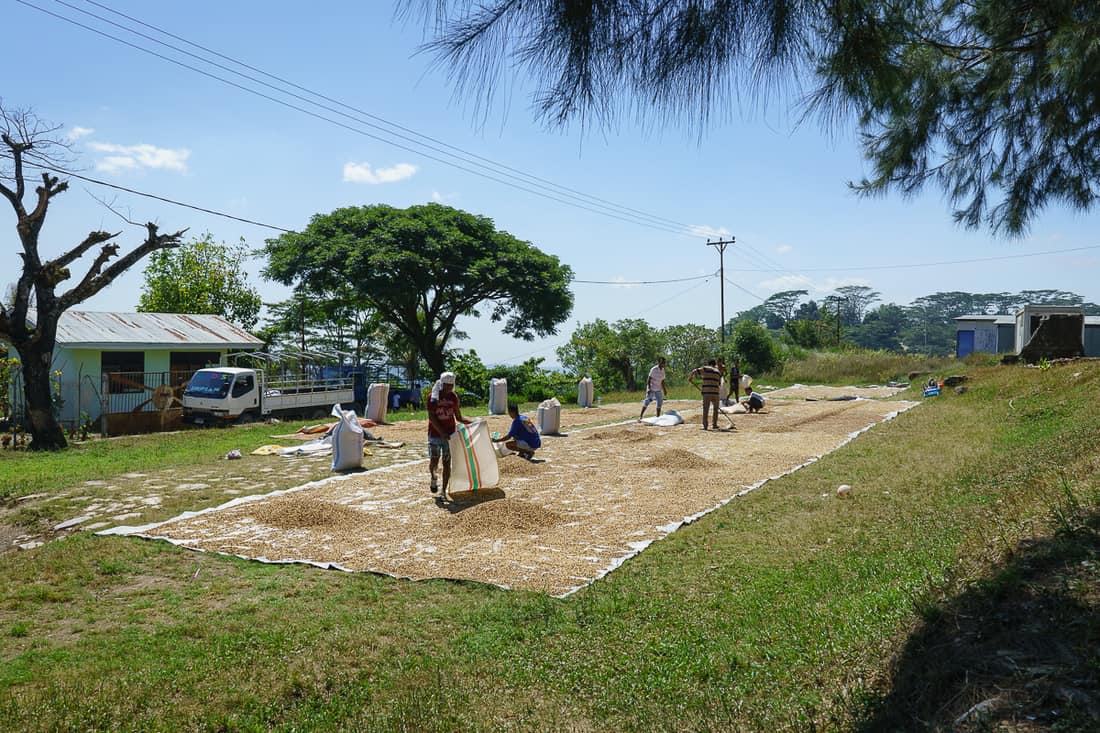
(126, 370)
(182, 364)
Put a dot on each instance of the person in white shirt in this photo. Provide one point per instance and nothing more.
(655, 388)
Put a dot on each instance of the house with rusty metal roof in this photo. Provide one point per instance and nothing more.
(132, 363)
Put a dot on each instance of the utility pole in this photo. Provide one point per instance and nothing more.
(720, 245)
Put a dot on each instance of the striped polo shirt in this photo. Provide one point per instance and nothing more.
(711, 378)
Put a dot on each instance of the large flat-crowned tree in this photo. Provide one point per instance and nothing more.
(29, 321)
(993, 101)
(424, 267)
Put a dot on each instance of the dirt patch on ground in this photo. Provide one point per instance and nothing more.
(550, 526)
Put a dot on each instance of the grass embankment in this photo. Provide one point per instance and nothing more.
(780, 610)
(859, 367)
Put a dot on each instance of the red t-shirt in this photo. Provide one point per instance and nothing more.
(444, 411)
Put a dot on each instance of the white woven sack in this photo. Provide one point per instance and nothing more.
(586, 392)
(347, 440)
(473, 460)
(498, 396)
(378, 401)
(549, 416)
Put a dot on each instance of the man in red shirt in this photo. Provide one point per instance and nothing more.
(443, 413)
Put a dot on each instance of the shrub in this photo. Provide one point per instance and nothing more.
(759, 351)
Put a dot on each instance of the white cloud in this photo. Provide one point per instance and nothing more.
(702, 230)
(116, 163)
(78, 132)
(363, 173)
(132, 157)
(783, 249)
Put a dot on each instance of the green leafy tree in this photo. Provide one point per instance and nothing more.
(808, 334)
(758, 350)
(28, 320)
(337, 324)
(687, 347)
(756, 314)
(470, 373)
(614, 355)
(855, 301)
(993, 101)
(882, 328)
(424, 267)
(780, 307)
(201, 276)
(527, 382)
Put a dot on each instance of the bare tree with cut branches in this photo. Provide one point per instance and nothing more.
(29, 321)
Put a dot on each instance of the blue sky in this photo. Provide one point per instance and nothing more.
(147, 124)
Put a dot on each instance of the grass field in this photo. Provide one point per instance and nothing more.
(963, 570)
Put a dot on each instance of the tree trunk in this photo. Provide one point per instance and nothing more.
(45, 431)
(627, 370)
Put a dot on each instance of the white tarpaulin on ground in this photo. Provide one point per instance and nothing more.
(667, 420)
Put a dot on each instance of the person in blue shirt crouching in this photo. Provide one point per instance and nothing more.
(522, 437)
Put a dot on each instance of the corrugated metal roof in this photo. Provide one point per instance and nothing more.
(1011, 320)
(90, 329)
(993, 319)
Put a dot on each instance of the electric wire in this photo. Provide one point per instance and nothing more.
(744, 290)
(360, 111)
(154, 196)
(940, 263)
(647, 309)
(658, 223)
(213, 212)
(678, 229)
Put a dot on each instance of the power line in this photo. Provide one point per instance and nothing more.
(645, 282)
(731, 282)
(632, 315)
(166, 200)
(936, 264)
(213, 212)
(352, 107)
(525, 186)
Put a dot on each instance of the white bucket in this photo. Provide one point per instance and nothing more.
(378, 401)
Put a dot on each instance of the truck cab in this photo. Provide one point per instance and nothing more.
(222, 394)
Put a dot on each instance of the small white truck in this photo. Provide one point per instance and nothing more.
(219, 395)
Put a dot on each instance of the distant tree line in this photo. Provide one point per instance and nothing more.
(849, 316)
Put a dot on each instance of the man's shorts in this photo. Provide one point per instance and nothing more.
(524, 445)
(439, 448)
(654, 395)
(756, 403)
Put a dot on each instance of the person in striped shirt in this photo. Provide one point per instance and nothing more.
(710, 378)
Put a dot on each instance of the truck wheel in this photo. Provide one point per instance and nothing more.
(246, 417)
